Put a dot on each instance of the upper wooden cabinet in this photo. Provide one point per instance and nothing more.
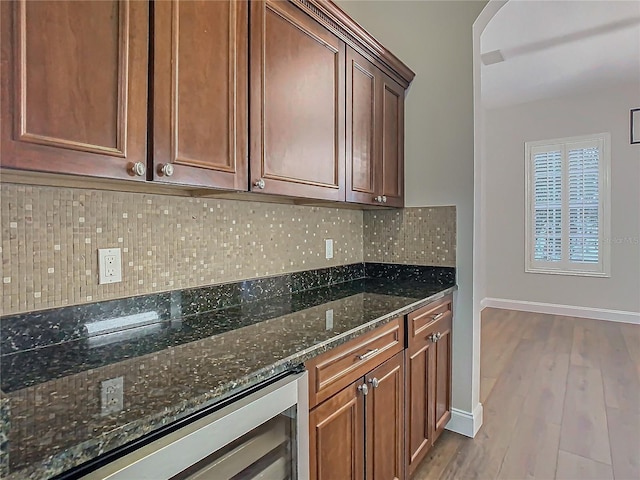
(363, 146)
(74, 87)
(375, 135)
(391, 108)
(286, 97)
(200, 93)
(297, 104)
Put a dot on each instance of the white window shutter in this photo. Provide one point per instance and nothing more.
(568, 206)
(584, 199)
(547, 198)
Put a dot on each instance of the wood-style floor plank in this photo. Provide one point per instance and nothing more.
(584, 352)
(561, 400)
(624, 435)
(439, 457)
(561, 335)
(575, 467)
(486, 385)
(500, 346)
(548, 388)
(631, 335)
(584, 421)
(532, 451)
(619, 375)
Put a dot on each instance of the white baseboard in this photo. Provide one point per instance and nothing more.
(466, 423)
(566, 310)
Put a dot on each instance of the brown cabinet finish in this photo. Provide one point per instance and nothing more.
(442, 382)
(363, 145)
(297, 119)
(74, 87)
(375, 135)
(392, 135)
(200, 125)
(384, 407)
(419, 406)
(333, 370)
(336, 438)
(406, 391)
(428, 381)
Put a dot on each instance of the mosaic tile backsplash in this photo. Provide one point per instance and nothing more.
(411, 236)
(50, 237)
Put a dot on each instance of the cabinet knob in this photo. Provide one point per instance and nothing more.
(166, 169)
(377, 199)
(138, 169)
(384, 199)
(259, 183)
(434, 337)
(363, 389)
(374, 382)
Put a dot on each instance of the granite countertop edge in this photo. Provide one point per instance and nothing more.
(88, 450)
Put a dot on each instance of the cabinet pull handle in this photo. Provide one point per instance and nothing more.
(377, 199)
(438, 316)
(384, 199)
(363, 389)
(259, 183)
(138, 169)
(369, 354)
(374, 382)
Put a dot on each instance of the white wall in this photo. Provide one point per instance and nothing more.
(435, 39)
(506, 130)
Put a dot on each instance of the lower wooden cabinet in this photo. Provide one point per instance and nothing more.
(336, 436)
(367, 416)
(384, 426)
(428, 382)
(379, 402)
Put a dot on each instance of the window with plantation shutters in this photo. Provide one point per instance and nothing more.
(567, 206)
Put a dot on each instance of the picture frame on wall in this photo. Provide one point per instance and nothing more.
(635, 125)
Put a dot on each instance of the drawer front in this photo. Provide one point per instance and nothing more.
(337, 368)
(420, 322)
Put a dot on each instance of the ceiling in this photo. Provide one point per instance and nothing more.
(545, 49)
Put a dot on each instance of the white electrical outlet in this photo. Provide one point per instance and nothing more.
(329, 248)
(112, 396)
(109, 265)
(328, 319)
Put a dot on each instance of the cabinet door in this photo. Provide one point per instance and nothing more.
(74, 87)
(364, 163)
(297, 95)
(200, 93)
(385, 420)
(420, 403)
(442, 375)
(391, 108)
(336, 436)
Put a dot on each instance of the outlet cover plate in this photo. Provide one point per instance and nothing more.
(112, 396)
(109, 265)
(329, 248)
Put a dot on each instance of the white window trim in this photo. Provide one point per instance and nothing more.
(565, 267)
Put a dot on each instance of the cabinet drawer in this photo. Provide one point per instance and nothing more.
(337, 368)
(419, 321)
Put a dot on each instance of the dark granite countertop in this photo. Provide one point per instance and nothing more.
(179, 363)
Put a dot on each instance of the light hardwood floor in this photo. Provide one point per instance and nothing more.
(561, 399)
